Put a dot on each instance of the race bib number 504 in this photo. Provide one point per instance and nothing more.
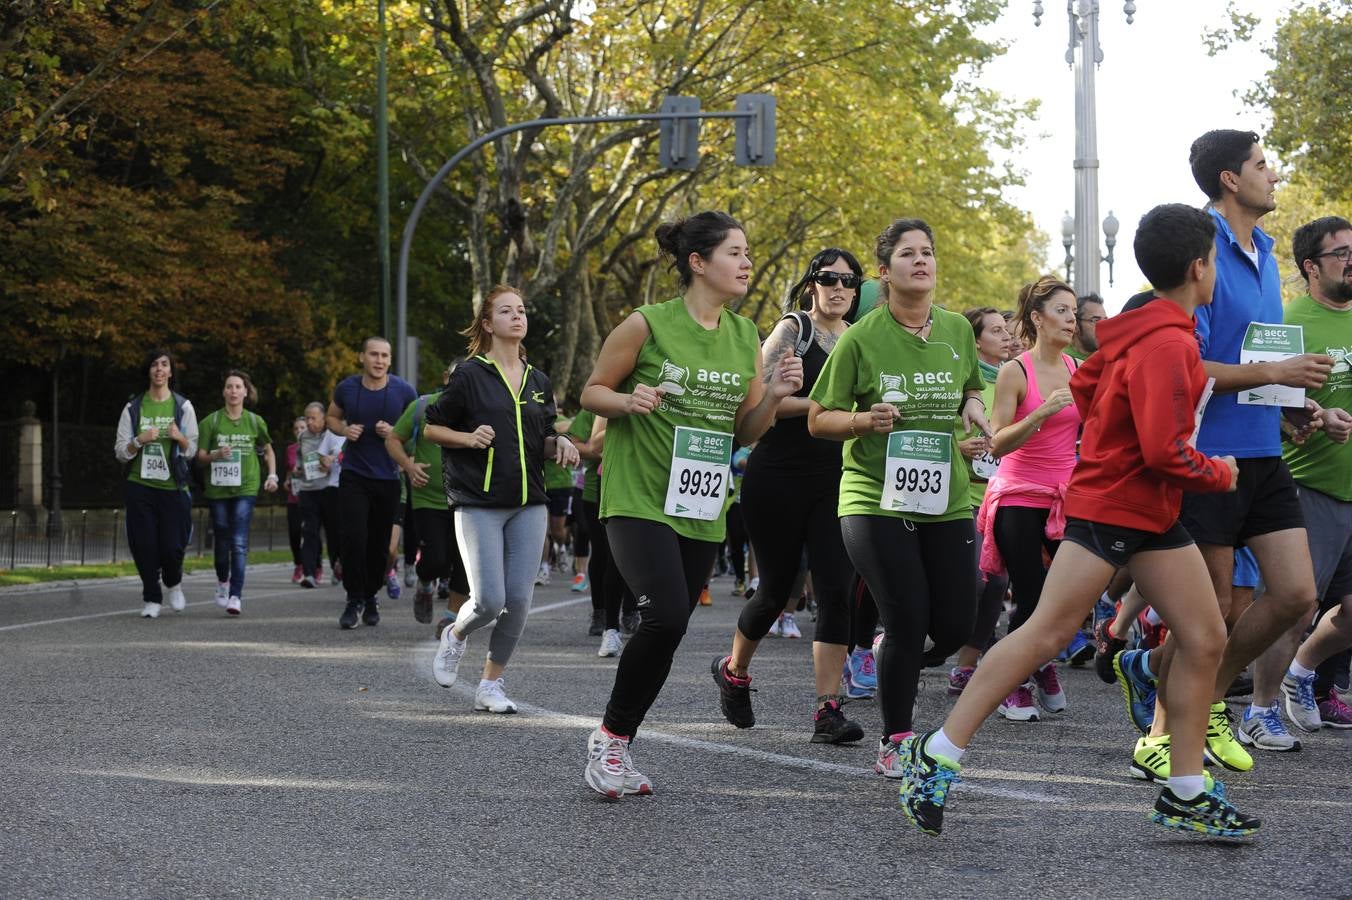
(700, 470)
(917, 472)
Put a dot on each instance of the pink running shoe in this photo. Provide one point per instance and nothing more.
(958, 676)
(1019, 705)
(1335, 713)
(296, 575)
(1050, 695)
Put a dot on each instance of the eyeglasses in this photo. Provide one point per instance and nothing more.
(1342, 254)
(831, 279)
(1092, 320)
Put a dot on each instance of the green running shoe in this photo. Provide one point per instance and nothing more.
(1208, 813)
(1221, 746)
(1150, 761)
(925, 783)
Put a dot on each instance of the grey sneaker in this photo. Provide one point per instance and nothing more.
(610, 770)
(1266, 731)
(446, 663)
(1298, 698)
(610, 643)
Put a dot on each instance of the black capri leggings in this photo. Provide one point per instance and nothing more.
(782, 517)
(440, 550)
(667, 573)
(1021, 535)
(923, 579)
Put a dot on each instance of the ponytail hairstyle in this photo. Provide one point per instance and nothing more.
(480, 341)
(250, 392)
(800, 296)
(1032, 298)
(700, 233)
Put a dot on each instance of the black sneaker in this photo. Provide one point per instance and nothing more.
(351, 613)
(1105, 648)
(734, 694)
(1242, 686)
(630, 621)
(831, 727)
(445, 622)
(1207, 813)
(598, 623)
(925, 784)
(371, 614)
(443, 588)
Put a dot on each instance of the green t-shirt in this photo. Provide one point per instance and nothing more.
(591, 482)
(237, 476)
(557, 477)
(879, 361)
(705, 374)
(431, 495)
(1074, 353)
(869, 294)
(1320, 463)
(978, 481)
(150, 466)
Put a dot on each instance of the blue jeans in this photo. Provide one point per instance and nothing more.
(230, 524)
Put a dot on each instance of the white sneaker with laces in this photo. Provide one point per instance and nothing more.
(777, 629)
(1266, 731)
(232, 606)
(447, 661)
(1298, 698)
(490, 697)
(610, 643)
(889, 763)
(150, 611)
(176, 601)
(788, 626)
(610, 770)
(542, 577)
(222, 594)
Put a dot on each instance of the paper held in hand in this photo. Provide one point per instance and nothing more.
(1272, 343)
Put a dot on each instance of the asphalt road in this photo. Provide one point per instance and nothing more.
(270, 755)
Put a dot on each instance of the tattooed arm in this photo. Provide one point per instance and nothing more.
(778, 345)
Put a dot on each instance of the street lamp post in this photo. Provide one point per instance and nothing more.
(1083, 53)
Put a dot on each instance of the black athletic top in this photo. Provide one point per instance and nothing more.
(787, 446)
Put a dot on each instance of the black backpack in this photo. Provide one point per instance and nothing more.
(805, 332)
(180, 466)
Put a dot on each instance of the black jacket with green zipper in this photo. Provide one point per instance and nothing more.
(510, 472)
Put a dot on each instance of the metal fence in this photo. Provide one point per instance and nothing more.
(90, 536)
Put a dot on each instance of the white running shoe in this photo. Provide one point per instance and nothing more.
(150, 611)
(490, 697)
(610, 643)
(176, 601)
(610, 770)
(890, 763)
(222, 594)
(788, 626)
(777, 629)
(447, 661)
(1266, 731)
(1298, 698)
(542, 577)
(232, 606)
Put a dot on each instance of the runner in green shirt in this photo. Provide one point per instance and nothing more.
(228, 446)
(433, 521)
(559, 490)
(891, 391)
(1322, 468)
(678, 383)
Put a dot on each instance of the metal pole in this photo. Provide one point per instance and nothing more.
(411, 225)
(116, 513)
(13, 536)
(1088, 55)
(383, 181)
(54, 520)
(84, 530)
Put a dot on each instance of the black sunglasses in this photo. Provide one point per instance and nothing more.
(830, 279)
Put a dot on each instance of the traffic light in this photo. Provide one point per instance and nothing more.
(756, 133)
(678, 143)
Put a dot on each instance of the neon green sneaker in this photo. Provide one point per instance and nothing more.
(1150, 761)
(1221, 746)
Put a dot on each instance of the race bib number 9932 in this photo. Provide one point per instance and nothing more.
(700, 470)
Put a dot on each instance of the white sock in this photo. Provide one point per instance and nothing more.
(1151, 616)
(1254, 710)
(940, 745)
(1298, 671)
(484, 683)
(1186, 787)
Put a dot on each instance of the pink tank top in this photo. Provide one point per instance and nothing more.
(1048, 457)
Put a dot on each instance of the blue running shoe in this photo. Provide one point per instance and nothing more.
(1209, 813)
(1137, 687)
(862, 671)
(1080, 649)
(925, 783)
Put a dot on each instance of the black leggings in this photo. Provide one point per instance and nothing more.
(990, 599)
(435, 533)
(608, 590)
(737, 540)
(293, 530)
(923, 579)
(1021, 535)
(367, 507)
(863, 614)
(782, 517)
(667, 572)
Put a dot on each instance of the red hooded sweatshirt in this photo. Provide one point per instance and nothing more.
(1138, 397)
